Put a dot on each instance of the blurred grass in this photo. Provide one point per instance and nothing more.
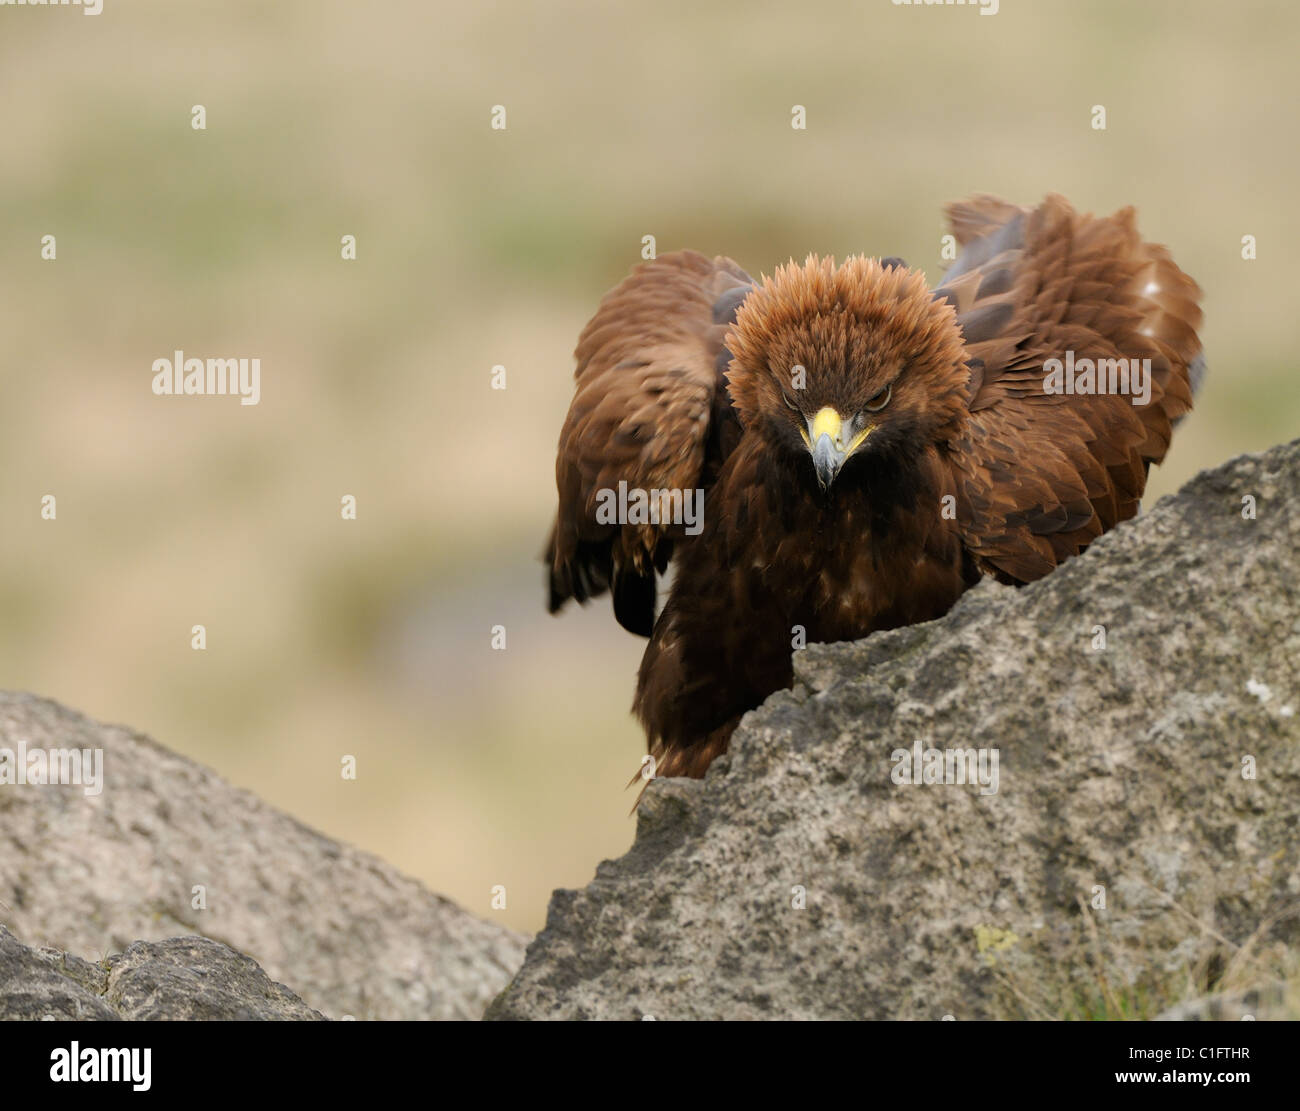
(478, 247)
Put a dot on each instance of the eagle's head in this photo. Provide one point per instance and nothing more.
(838, 365)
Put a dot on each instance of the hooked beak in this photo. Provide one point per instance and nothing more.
(831, 440)
(827, 460)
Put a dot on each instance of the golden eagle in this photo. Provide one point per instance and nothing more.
(866, 447)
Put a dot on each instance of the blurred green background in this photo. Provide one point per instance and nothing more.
(479, 247)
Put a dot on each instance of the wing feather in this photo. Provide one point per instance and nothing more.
(650, 409)
(1042, 475)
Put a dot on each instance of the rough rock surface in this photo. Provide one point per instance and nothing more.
(1278, 1001)
(1120, 777)
(91, 875)
(181, 978)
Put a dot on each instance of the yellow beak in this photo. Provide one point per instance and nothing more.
(825, 439)
(826, 423)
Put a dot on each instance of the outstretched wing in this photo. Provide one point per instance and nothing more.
(1043, 474)
(650, 410)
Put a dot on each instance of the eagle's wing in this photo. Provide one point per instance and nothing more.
(650, 410)
(1040, 474)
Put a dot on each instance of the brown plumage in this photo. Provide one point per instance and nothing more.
(918, 451)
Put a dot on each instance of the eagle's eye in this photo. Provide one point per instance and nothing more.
(786, 398)
(881, 399)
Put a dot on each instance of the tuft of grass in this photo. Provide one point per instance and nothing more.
(1101, 976)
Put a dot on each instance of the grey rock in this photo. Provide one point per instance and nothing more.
(181, 978)
(196, 978)
(36, 984)
(1121, 775)
(90, 875)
